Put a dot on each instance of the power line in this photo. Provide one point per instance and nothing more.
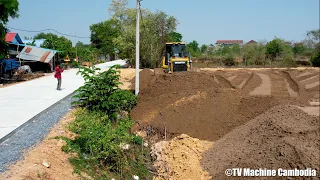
(49, 31)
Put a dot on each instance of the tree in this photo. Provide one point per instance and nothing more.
(254, 53)
(33, 43)
(174, 37)
(204, 48)
(274, 48)
(102, 35)
(55, 42)
(236, 49)
(193, 48)
(8, 8)
(314, 34)
(298, 49)
(315, 59)
(154, 33)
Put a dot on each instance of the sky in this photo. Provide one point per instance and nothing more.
(205, 21)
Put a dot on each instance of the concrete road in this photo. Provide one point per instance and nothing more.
(21, 102)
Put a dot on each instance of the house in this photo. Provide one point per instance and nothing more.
(229, 42)
(15, 43)
(39, 59)
(211, 46)
(252, 42)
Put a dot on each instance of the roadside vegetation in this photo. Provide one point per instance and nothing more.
(8, 9)
(277, 52)
(104, 146)
(115, 38)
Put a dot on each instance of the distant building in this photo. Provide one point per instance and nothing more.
(229, 42)
(15, 43)
(211, 46)
(252, 42)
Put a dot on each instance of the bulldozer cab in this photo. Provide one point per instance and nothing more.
(176, 57)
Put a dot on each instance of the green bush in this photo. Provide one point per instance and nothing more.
(74, 64)
(229, 61)
(315, 59)
(103, 142)
(101, 92)
(288, 61)
(100, 142)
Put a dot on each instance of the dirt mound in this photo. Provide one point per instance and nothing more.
(180, 158)
(146, 76)
(283, 137)
(194, 103)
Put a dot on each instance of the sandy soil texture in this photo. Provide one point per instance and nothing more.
(48, 151)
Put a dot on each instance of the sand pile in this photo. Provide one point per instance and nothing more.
(180, 158)
(283, 137)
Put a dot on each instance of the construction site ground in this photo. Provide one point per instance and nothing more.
(203, 122)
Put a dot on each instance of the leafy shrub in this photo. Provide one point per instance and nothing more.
(315, 59)
(137, 140)
(101, 92)
(274, 48)
(104, 144)
(228, 61)
(74, 64)
(288, 61)
(98, 142)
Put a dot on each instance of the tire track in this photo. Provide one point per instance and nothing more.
(293, 84)
(224, 81)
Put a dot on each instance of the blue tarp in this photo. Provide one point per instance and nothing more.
(6, 63)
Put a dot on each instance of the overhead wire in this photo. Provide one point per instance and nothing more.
(49, 31)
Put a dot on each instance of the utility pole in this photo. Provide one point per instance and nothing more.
(137, 48)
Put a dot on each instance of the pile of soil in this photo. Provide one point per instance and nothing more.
(180, 158)
(146, 76)
(199, 104)
(283, 137)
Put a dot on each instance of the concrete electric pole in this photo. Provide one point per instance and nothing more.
(137, 48)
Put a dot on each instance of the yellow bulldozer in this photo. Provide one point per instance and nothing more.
(176, 58)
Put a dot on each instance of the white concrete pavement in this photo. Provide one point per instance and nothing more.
(21, 102)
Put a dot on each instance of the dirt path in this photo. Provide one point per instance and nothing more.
(49, 150)
(278, 85)
(264, 89)
(241, 79)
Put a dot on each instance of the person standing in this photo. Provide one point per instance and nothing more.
(57, 75)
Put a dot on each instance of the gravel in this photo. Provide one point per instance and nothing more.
(35, 130)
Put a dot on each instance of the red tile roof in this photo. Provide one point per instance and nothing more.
(229, 41)
(10, 37)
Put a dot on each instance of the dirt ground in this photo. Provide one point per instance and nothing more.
(283, 137)
(180, 158)
(49, 151)
(196, 121)
(211, 104)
